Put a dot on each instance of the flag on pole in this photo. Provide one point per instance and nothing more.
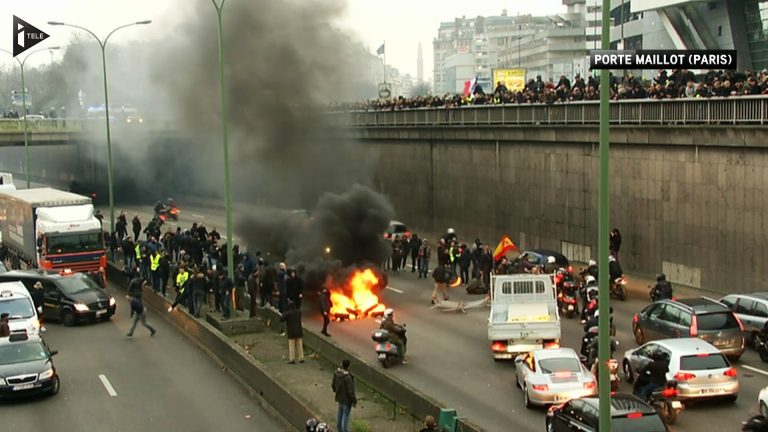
(469, 86)
(380, 51)
(504, 246)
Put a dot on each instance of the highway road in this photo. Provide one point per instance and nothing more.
(450, 356)
(163, 383)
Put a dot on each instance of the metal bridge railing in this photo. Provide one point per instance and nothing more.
(739, 110)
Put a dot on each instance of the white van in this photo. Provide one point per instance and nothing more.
(16, 301)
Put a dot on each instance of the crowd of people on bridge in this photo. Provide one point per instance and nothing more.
(680, 83)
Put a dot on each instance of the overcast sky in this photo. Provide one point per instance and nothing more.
(401, 23)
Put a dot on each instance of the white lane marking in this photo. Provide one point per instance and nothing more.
(394, 289)
(754, 369)
(195, 215)
(107, 385)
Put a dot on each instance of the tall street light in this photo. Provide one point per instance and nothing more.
(103, 45)
(604, 303)
(224, 136)
(24, 105)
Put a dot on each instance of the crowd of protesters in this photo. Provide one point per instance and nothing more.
(194, 263)
(680, 83)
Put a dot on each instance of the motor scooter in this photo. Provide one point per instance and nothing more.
(566, 300)
(387, 352)
(618, 289)
(665, 401)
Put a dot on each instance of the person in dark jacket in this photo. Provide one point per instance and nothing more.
(268, 285)
(294, 288)
(137, 310)
(440, 275)
(465, 260)
(136, 222)
(292, 319)
(477, 252)
(225, 291)
(614, 239)
(406, 250)
(254, 287)
(425, 252)
(197, 285)
(165, 271)
(129, 254)
(397, 254)
(486, 266)
(343, 385)
(415, 246)
(663, 289)
(325, 309)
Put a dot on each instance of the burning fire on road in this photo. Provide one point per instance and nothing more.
(356, 298)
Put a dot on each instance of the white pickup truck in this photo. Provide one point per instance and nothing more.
(523, 315)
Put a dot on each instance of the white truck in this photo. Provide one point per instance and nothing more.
(523, 315)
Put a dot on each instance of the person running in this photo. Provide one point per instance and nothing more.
(137, 307)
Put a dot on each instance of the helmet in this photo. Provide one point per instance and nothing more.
(658, 356)
(322, 427)
(451, 231)
(755, 424)
(590, 280)
(551, 260)
(592, 263)
(389, 312)
(661, 276)
(611, 258)
(312, 425)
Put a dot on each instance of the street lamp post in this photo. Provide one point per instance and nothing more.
(225, 139)
(24, 106)
(103, 45)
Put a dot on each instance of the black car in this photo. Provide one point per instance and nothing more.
(69, 297)
(628, 414)
(26, 366)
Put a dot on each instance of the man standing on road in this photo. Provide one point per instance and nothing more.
(154, 268)
(225, 291)
(440, 275)
(137, 308)
(344, 386)
(292, 319)
(325, 308)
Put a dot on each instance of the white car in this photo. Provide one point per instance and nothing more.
(700, 369)
(396, 229)
(17, 303)
(762, 401)
(553, 376)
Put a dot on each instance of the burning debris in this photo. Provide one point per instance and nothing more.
(356, 298)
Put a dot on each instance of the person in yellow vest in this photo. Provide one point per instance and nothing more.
(154, 268)
(182, 279)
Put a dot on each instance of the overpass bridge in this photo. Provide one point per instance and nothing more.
(689, 178)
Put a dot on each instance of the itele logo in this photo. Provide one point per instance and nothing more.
(25, 35)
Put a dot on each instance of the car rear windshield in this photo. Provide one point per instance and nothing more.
(549, 366)
(649, 422)
(703, 362)
(717, 321)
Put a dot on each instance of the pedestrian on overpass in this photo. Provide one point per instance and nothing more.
(137, 309)
(343, 385)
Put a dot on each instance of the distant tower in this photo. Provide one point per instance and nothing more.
(420, 66)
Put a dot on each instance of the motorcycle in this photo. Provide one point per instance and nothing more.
(387, 352)
(166, 211)
(618, 289)
(567, 304)
(666, 402)
(613, 370)
(760, 341)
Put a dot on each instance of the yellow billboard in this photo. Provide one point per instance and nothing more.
(514, 79)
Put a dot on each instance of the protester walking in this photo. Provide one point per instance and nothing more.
(136, 225)
(137, 307)
(440, 275)
(293, 329)
(425, 253)
(325, 308)
(343, 386)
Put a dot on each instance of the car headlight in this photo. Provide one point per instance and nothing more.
(81, 307)
(2, 382)
(34, 327)
(111, 301)
(46, 374)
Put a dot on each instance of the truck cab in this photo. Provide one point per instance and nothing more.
(523, 315)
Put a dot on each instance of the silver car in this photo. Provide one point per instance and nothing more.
(700, 369)
(553, 376)
(752, 310)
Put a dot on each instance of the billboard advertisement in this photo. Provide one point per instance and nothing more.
(514, 79)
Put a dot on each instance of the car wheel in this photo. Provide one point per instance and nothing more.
(639, 335)
(763, 351)
(55, 387)
(526, 399)
(68, 318)
(732, 398)
(763, 409)
(628, 376)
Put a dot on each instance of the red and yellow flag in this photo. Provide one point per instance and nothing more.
(504, 246)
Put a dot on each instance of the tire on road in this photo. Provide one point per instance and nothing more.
(68, 318)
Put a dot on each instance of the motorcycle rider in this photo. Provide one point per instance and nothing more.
(396, 333)
(662, 290)
(758, 423)
(593, 345)
(551, 267)
(591, 270)
(652, 376)
(614, 269)
(159, 207)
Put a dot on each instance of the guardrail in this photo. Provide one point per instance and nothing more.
(42, 125)
(741, 110)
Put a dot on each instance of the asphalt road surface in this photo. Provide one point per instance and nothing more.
(111, 383)
(450, 356)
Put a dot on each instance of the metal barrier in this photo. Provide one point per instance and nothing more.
(42, 125)
(739, 110)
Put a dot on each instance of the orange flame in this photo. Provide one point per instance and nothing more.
(362, 303)
(456, 283)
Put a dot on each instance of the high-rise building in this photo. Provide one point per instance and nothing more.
(419, 66)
